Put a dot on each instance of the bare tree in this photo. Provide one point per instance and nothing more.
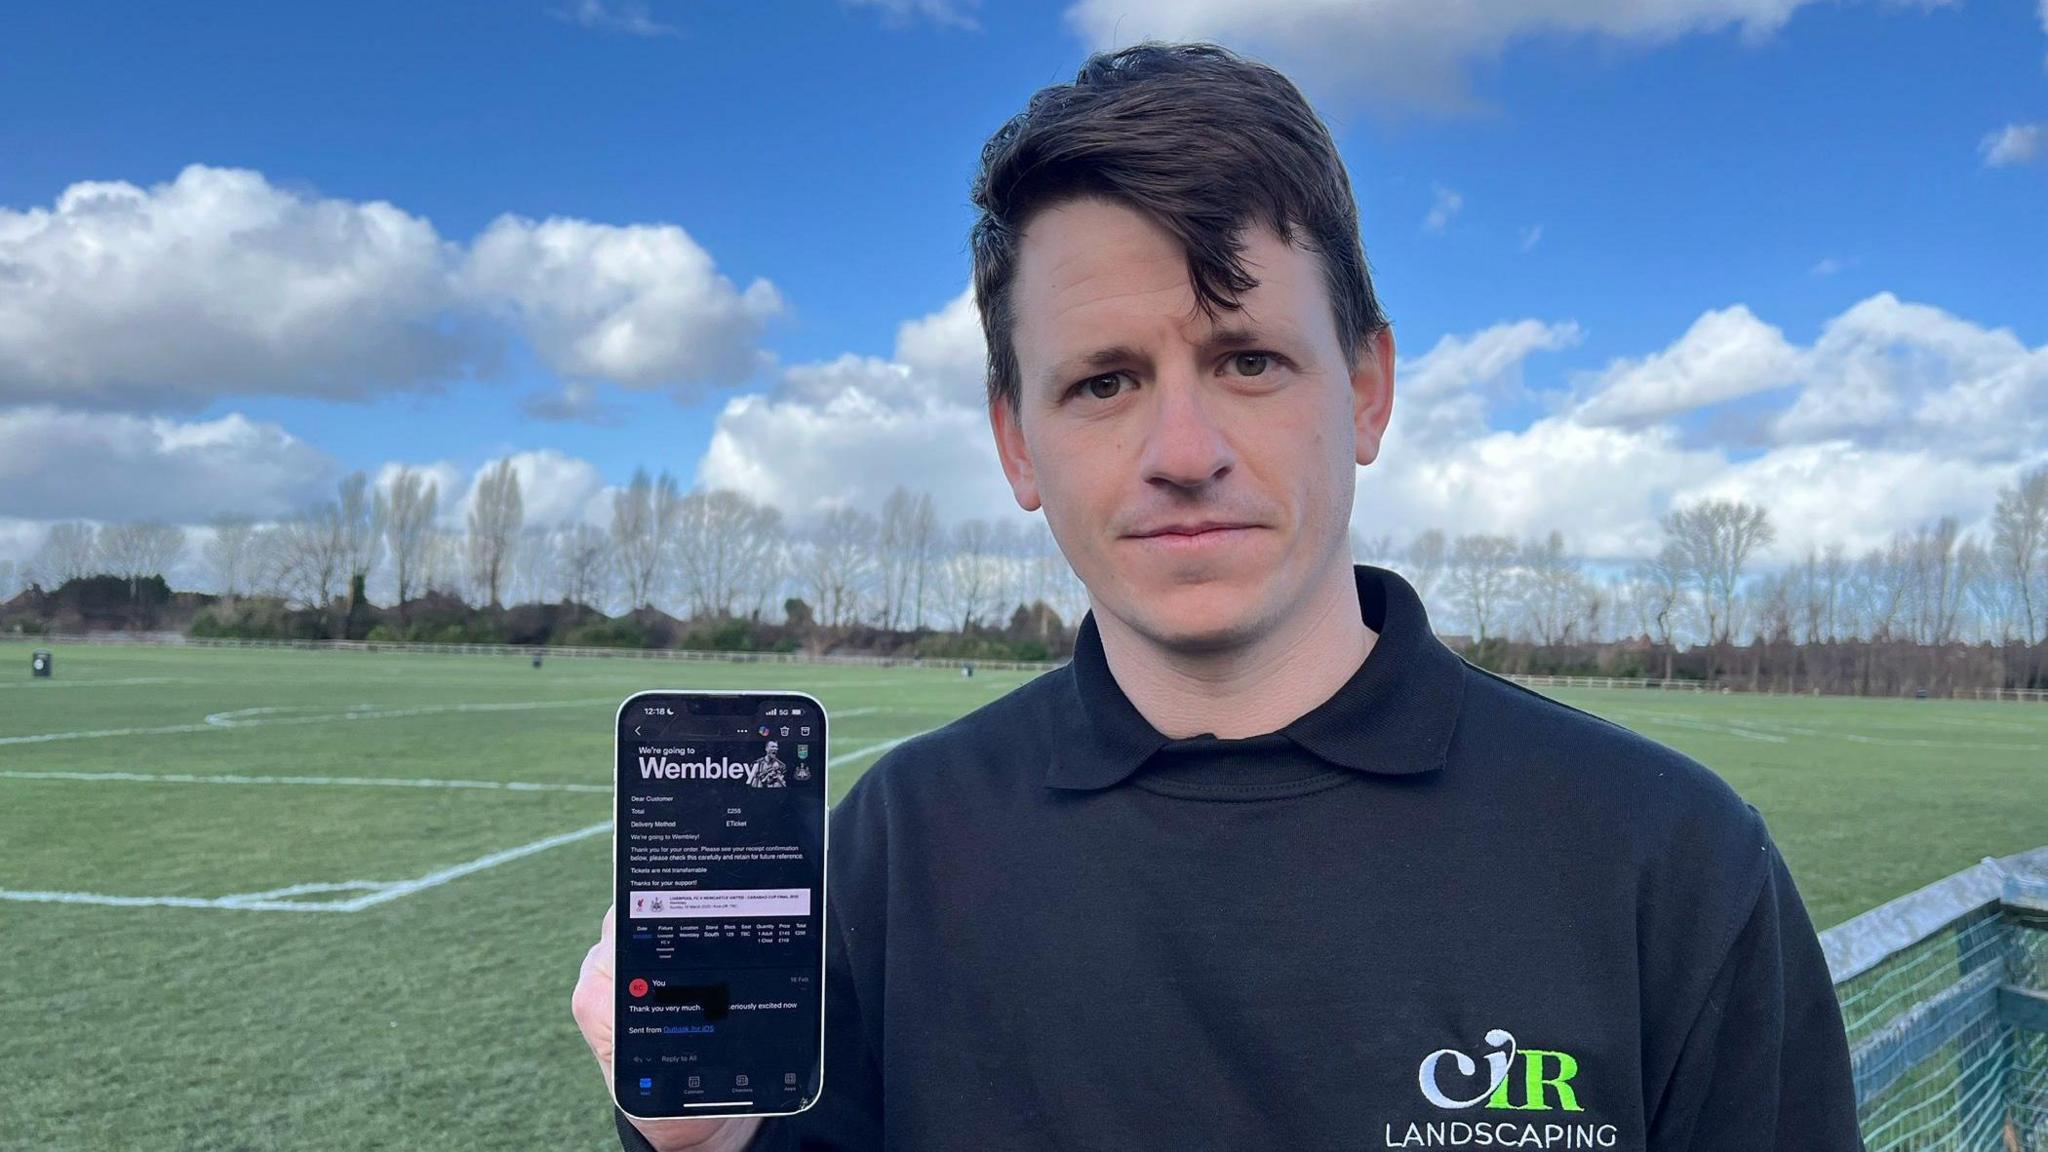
(140, 549)
(534, 566)
(1660, 599)
(910, 545)
(1803, 593)
(1716, 539)
(1053, 581)
(495, 517)
(406, 508)
(2019, 546)
(309, 556)
(228, 552)
(441, 563)
(1993, 609)
(1774, 595)
(10, 581)
(362, 530)
(729, 546)
(837, 562)
(586, 565)
(1425, 561)
(1554, 592)
(968, 572)
(646, 517)
(1482, 574)
(1378, 551)
(1834, 576)
(1935, 581)
(1006, 575)
(1882, 585)
(68, 552)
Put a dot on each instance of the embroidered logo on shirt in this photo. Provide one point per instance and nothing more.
(1544, 1084)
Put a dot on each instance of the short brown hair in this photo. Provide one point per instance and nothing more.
(1200, 139)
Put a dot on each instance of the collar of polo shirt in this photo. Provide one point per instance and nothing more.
(1394, 716)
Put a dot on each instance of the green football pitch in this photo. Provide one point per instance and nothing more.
(336, 900)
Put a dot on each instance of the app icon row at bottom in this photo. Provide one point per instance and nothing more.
(696, 1080)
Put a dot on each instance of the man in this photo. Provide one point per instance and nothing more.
(1266, 865)
(768, 771)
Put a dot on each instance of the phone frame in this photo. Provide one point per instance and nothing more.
(824, 906)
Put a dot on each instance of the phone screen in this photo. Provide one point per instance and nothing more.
(718, 866)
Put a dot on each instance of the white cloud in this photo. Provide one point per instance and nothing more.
(1893, 373)
(2014, 144)
(846, 431)
(1897, 414)
(1884, 373)
(554, 489)
(946, 13)
(1444, 204)
(217, 282)
(1531, 237)
(19, 540)
(1826, 266)
(1839, 492)
(625, 16)
(1603, 487)
(1724, 355)
(1414, 52)
(1444, 394)
(1603, 467)
(642, 304)
(58, 465)
(948, 345)
(222, 283)
(450, 489)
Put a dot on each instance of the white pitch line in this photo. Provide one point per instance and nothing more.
(379, 891)
(310, 889)
(434, 879)
(874, 749)
(375, 892)
(1672, 721)
(228, 720)
(105, 901)
(337, 781)
(1900, 741)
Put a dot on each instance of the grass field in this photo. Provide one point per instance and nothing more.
(341, 929)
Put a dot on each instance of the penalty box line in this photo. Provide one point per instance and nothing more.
(374, 892)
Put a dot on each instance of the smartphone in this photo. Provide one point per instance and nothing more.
(718, 873)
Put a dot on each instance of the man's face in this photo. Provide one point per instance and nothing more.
(1197, 474)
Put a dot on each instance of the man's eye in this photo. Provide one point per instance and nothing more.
(1103, 387)
(1252, 363)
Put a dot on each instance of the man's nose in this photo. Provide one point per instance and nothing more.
(1185, 445)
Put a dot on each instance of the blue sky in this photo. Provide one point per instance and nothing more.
(1611, 181)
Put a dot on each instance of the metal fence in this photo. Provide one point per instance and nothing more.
(1944, 994)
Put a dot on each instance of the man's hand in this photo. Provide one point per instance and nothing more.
(592, 1006)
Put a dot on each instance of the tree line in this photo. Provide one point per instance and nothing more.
(1700, 605)
(696, 554)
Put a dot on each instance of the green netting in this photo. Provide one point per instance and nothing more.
(1944, 997)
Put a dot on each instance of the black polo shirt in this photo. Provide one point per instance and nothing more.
(1437, 911)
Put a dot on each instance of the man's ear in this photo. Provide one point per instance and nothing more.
(1372, 392)
(1003, 419)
